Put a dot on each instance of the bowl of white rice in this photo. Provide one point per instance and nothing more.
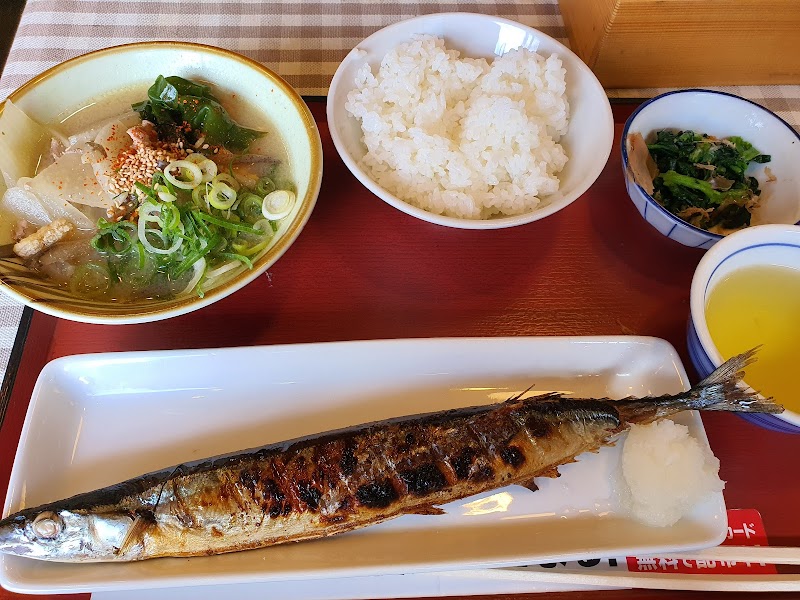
(470, 121)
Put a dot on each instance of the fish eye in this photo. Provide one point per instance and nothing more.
(47, 525)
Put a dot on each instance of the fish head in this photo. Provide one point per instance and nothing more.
(64, 535)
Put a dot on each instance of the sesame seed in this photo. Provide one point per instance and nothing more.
(138, 164)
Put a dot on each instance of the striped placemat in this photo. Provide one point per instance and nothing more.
(303, 41)
(783, 100)
(10, 316)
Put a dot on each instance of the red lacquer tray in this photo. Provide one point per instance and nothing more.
(363, 270)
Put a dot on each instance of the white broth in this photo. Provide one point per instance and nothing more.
(174, 204)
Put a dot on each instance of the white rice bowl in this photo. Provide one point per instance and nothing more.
(463, 137)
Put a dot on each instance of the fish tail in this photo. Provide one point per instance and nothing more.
(722, 390)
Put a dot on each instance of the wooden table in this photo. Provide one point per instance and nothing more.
(362, 270)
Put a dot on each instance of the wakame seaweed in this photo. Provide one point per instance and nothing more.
(174, 101)
(702, 178)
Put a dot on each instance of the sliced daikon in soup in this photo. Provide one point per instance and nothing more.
(111, 140)
(69, 179)
(24, 145)
(20, 203)
(23, 141)
(91, 134)
(17, 204)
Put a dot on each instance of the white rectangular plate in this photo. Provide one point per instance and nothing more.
(374, 587)
(98, 419)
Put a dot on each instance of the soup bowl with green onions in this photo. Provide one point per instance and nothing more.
(145, 181)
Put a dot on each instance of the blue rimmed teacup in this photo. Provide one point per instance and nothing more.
(766, 245)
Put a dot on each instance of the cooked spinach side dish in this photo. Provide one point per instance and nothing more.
(702, 179)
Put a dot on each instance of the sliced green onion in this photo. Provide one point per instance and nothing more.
(189, 174)
(251, 250)
(223, 268)
(159, 178)
(207, 166)
(199, 194)
(199, 224)
(221, 196)
(142, 255)
(209, 169)
(264, 186)
(239, 257)
(146, 191)
(199, 270)
(153, 213)
(192, 258)
(250, 207)
(226, 224)
(229, 179)
(278, 204)
(246, 250)
(113, 238)
(170, 218)
(265, 226)
(163, 193)
(196, 157)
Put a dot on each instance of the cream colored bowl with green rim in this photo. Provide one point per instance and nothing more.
(85, 79)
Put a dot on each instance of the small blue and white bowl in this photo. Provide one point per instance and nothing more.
(721, 115)
(777, 245)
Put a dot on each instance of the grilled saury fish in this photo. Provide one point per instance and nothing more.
(340, 481)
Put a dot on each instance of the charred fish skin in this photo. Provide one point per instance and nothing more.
(320, 486)
(317, 488)
(339, 481)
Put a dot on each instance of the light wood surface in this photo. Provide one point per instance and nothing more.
(685, 43)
